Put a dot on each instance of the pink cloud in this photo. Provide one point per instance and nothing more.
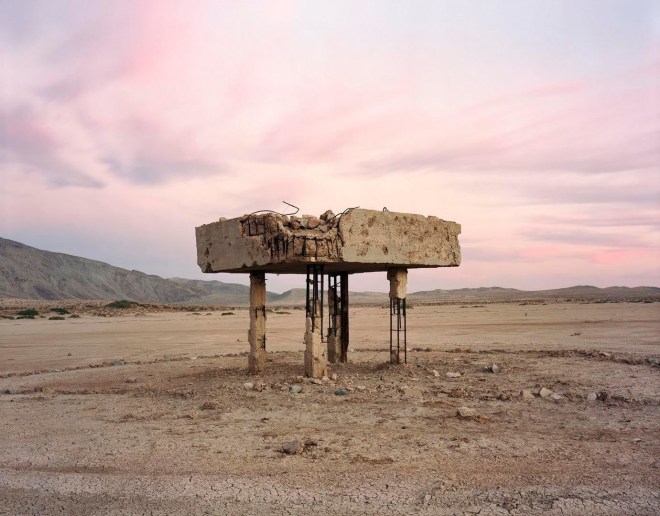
(620, 256)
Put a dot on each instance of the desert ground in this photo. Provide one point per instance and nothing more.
(152, 411)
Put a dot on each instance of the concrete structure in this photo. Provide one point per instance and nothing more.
(357, 240)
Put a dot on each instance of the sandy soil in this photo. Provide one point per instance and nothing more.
(150, 413)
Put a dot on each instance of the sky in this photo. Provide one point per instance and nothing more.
(535, 124)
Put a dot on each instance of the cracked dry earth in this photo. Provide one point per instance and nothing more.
(172, 427)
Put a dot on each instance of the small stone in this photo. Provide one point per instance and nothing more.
(427, 498)
(545, 393)
(316, 381)
(325, 379)
(209, 405)
(605, 354)
(451, 374)
(248, 386)
(131, 380)
(117, 362)
(556, 397)
(295, 389)
(466, 412)
(654, 361)
(411, 392)
(313, 222)
(291, 448)
(435, 373)
(494, 368)
(334, 377)
(326, 215)
(11, 390)
(341, 392)
(592, 396)
(527, 394)
(360, 388)
(603, 396)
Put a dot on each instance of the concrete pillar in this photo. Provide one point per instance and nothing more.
(398, 282)
(398, 288)
(334, 337)
(315, 354)
(257, 332)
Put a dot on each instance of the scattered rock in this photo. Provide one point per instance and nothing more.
(592, 396)
(325, 379)
(131, 380)
(603, 396)
(494, 368)
(545, 393)
(260, 386)
(118, 362)
(435, 373)
(292, 448)
(527, 394)
(427, 498)
(209, 405)
(654, 361)
(341, 392)
(248, 386)
(556, 397)
(313, 223)
(466, 412)
(450, 374)
(295, 389)
(316, 381)
(334, 377)
(327, 215)
(360, 388)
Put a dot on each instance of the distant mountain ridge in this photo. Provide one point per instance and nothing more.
(30, 273)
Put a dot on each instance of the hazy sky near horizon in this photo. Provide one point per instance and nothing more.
(533, 123)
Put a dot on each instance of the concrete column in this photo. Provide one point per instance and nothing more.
(315, 358)
(257, 332)
(398, 283)
(398, 288)
(334, 339)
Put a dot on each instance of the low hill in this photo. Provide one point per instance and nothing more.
(29, 273)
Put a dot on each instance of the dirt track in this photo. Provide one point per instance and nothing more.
(171, 427)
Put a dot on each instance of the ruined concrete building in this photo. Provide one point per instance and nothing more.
(357, 240)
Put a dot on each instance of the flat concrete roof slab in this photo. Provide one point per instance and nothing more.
(358, 240)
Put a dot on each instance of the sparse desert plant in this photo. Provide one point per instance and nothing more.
(60, 310)
(74, 316)
(56, 318)
(123, 303)
(227, 313)
(29, 312)
(25, 317)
